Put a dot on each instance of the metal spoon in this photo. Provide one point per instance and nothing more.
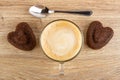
(42, 11)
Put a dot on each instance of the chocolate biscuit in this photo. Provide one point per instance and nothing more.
(98, 36)
(23, 37)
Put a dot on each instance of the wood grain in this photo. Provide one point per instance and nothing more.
(90, 64)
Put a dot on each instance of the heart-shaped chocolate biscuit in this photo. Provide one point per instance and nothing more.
(98, 36)
(23, 37)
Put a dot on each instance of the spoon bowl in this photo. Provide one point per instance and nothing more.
(37, 11)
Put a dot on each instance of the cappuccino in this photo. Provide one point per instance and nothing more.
(61, 40)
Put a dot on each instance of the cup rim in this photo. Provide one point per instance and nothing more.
(77, 52)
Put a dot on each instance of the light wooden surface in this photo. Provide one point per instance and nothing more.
(103, 64)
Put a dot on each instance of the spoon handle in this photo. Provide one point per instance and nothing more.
(86, 13)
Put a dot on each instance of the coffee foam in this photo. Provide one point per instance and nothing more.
(61, 40)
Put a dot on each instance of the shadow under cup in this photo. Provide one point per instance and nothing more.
(61, 29)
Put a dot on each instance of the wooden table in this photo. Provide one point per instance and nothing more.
(103, 64)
